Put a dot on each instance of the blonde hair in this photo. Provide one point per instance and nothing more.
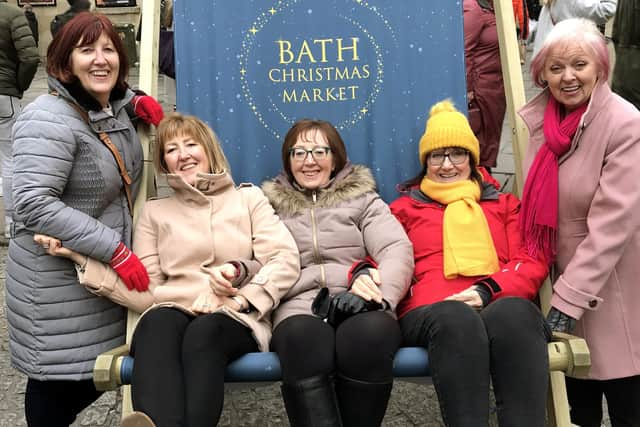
(175, 125)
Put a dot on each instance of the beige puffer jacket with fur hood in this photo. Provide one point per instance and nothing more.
(335, 227)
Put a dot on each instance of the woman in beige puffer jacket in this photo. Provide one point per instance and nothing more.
(338, 221)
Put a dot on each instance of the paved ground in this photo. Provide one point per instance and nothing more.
(410, 405)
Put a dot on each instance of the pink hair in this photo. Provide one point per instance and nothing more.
(571, 32)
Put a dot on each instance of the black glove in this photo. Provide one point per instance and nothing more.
(560, 322)
(483, 290)
(335, 309)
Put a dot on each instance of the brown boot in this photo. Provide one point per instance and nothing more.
(137, 419)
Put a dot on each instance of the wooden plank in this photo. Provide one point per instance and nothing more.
(148, 82)
(513, 84)
(558, 408)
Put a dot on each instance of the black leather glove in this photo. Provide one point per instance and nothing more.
(560, 322)
(484, 292)
(335, 309)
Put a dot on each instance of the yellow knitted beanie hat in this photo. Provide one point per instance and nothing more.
(447, 127)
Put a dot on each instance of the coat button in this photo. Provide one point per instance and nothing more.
(593, 303)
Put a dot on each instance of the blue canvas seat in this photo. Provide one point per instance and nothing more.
(567, 354)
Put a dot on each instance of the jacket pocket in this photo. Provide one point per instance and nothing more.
(7, 108)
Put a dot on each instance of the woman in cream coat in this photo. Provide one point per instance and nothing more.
(219, 260)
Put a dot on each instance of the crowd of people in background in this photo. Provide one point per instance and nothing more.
(314, 265)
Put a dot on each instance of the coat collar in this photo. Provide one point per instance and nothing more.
(533, 112)
(74, 92)
(206, 185)
(351, 182)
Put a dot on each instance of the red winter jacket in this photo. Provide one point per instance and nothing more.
(519, 275)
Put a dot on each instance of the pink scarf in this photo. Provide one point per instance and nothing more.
(539, 213)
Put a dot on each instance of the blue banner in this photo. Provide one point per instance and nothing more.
(251, 68)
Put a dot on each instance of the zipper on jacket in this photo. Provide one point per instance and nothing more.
(314, 236)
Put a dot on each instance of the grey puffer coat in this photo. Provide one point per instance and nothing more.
(66, 184)
(334, 227)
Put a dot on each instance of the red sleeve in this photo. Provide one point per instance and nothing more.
(522, 275)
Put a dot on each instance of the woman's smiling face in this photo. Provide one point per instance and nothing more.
(571, 74)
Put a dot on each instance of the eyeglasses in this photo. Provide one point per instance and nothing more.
(456, 157)
(318, 153)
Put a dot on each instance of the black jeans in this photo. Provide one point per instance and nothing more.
(505, 342)
(57, 403)
(623, 401)
(178, 376)
(362, 347)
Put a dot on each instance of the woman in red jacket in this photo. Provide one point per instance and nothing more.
(470, 303)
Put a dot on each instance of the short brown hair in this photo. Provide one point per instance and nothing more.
(176, 124)
(301, 127)
(85, 28)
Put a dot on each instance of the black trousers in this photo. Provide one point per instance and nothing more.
(178, 376)
(362, 347)
(623, 401)
(57, 403)
(505, 342)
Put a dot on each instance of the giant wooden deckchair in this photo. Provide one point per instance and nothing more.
(568, 355)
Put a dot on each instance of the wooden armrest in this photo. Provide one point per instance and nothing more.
(569, 354)
(106, 370)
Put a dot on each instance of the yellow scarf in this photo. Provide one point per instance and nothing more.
(467, 244)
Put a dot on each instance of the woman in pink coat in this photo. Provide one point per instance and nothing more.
(581, 211)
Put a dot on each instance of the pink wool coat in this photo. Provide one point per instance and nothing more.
(181, 237)
(598, 265)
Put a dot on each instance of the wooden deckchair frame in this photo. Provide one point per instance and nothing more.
(107, 365)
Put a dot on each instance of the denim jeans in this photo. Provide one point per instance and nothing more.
(505, 343)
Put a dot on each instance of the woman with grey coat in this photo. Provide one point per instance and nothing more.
(337, 322)
(67, 183)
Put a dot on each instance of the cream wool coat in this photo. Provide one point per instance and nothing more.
(598, 263)
(179, 238)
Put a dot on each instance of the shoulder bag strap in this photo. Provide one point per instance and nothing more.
(126, 179)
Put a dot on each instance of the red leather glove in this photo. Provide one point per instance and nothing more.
(130, 269)
(147, 109)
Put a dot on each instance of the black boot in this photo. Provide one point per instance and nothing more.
(362, 403)
(311, 402)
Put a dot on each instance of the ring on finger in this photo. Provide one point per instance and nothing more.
(45, 246)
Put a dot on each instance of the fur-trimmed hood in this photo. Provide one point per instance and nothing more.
(288, 199)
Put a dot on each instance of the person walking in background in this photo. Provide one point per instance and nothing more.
(337, 323)
(485, 87)
(521, 16)
(18, 65)
(554, 11)
(70, 184)
(77, 6)
(626, 39)
(470, 302)
(32, 19)
(581, 212)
